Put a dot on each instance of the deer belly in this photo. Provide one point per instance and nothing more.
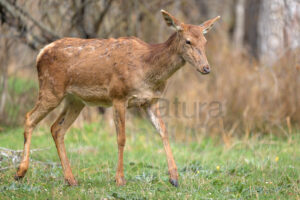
(91, 96)
(141, 100)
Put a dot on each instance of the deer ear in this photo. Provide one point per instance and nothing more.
(171, 21)
(207, 25)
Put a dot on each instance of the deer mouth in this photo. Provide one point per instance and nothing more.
(202, 72)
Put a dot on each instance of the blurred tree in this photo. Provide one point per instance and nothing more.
(239, 29)
(251, 21)
(5, 45)
(278, 29)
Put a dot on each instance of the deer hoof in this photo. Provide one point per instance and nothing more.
(120, 181)
(17, 177)
(72, 182)
(174, 182)
(20, 174)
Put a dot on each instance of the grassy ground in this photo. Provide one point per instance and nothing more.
(260, 168)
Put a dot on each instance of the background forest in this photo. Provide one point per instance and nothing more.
(253, 50)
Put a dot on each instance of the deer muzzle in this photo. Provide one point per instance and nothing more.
(204, 70)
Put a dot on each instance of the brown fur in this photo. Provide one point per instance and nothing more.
(121, 72)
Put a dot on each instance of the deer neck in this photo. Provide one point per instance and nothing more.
(164, 60)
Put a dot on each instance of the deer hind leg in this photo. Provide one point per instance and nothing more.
(40, 111)
(119, 119)
(58, 130)
(156, 120)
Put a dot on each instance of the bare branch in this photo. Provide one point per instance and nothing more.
(17, 12)
(20, 151)
(6, 168)
(102, 15)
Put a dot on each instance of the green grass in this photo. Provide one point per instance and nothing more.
(247, 170)
(21, 86)
(22, 94)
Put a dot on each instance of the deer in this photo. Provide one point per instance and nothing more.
(120, 73)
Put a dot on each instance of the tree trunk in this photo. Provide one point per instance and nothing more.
(251, 20)
(4, 69)
(278, 29)
(239, 29)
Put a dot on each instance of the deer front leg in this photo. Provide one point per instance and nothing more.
(119, 119)
(156, 120)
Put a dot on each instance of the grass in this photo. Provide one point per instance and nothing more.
(265, 167)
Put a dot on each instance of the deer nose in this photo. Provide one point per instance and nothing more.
(206, 69)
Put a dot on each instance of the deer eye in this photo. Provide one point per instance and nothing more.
(188, 42)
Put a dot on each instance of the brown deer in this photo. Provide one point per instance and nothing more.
(122, 73)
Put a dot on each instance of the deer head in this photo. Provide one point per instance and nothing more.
(191, 41)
